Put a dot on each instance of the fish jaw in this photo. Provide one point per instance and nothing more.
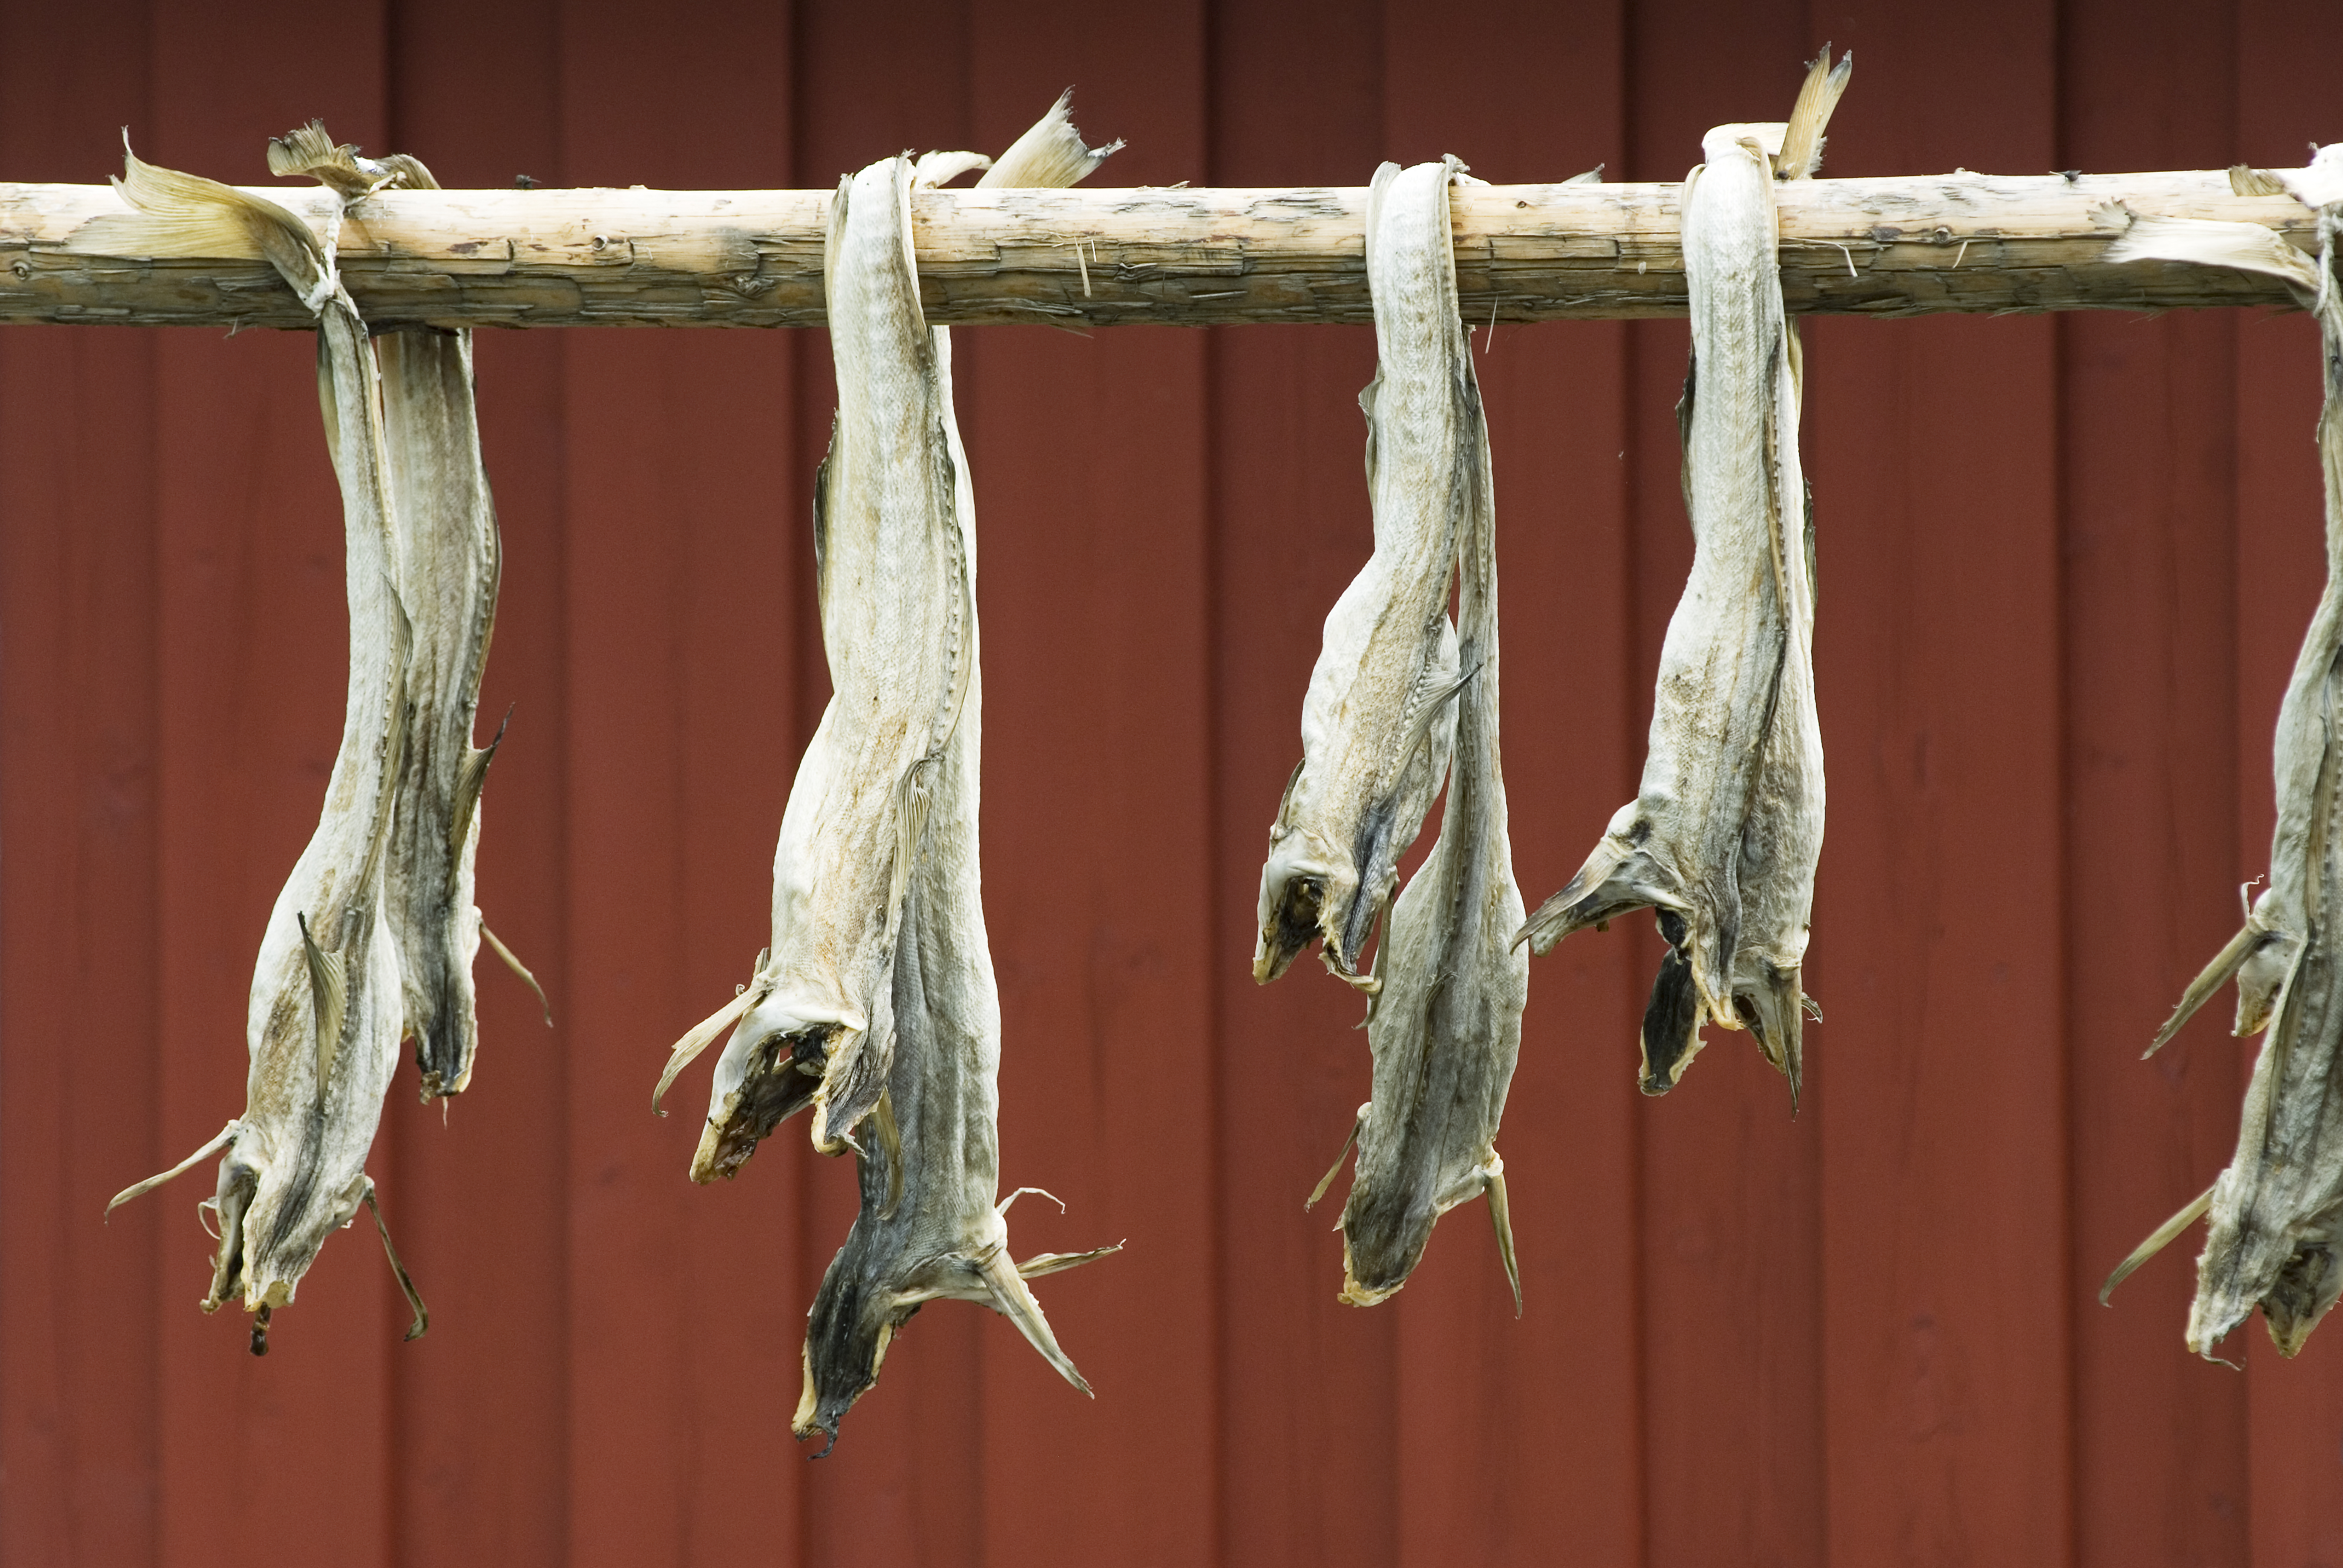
(1672, 1020)
(446, 1025)
(771, 1070)
(1302, 886)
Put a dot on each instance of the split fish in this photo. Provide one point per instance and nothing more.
(893, 518)
(451, 560)
(1445, 1026)
(323, 1026)
(1725, 835)
(2274, 1236)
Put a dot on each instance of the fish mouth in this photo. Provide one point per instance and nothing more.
(780, 1078)
(1305, 898)
(239, 1182)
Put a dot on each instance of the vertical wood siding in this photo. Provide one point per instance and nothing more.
(2065, 566)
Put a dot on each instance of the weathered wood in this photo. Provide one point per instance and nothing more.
(1177, 256)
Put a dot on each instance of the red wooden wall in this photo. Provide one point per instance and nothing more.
(2065, 565)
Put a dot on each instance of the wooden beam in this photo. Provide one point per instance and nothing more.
(1105, 258)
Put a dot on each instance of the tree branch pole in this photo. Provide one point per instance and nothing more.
(1185, 257)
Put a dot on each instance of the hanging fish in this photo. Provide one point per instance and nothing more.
(324, 1023)
(1725, 835)
(451, 560)
(1377, 720)
(2276, 1233)
(1445, 1028)
(893, 516)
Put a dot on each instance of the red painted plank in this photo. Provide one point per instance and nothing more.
(480, 1407)
(1535, 1458)
(1730, 1284)
(79, 1438)
(680, 556)
(1090, 464)
(1938, 951)
(1308, 1388)
(2152, 862)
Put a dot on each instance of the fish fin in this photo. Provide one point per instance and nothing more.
(398, 722)
(329, 993)
(1778, 1017)
(497, 946)
(422, 1323)
(1014, 1300)
(1501, 1215)
(1358, 1124)
(1002, 1207)
(471, 777)
(2158, 1241)
(140, 1189)
(1813, 1008)
(1596, 895)
(1802, 141)
(311, 151)
(697, 1039)
(1593, 176)
(182, 214)
(1042, 1263)
(1050, 154)
(2247, 246)
(2212, 978)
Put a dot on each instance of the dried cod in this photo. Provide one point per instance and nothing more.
(1445, 1026)
(893, 518)
(1723, 836)
(451, 560)
(1377, 722)
(2276, 1229)
(324, 1022)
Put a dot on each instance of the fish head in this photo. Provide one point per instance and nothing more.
(290, 1212)
(771, 1065)
(864, 1298)
(1305, 889)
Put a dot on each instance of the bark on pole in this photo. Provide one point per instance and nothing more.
(1107, 257)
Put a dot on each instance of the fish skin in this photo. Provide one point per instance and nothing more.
(893, 514)
(1725, 833)
(1377, 727)
(1445, 1029)
(294, 1166)
(2274, 1215)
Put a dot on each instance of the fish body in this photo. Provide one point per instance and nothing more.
(451, 560)
(323, 1020)
(1377, 721)
(1445, 1028)
(894, 526)
(2274, 1215)
(1724, 834)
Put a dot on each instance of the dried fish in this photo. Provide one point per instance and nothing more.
(928, 1228)
(2274, 1236)
(450, 558)
(893, 516)
(1725, 835)
(1378, 724)
(324, 1023)
(1446, 1026)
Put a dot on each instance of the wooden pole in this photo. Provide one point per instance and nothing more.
(1175, 256)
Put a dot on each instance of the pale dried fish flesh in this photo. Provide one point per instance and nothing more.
(2275, 1232)
(1724, 838)
(1445, 1028)
(324, 1023)
(893, 515)
(1377, 722)
(450, 558)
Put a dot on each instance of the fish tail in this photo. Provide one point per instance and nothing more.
(1052, 154)
(1014, 1300)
